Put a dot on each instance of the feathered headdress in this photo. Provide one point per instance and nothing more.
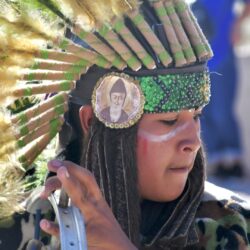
(45, 45)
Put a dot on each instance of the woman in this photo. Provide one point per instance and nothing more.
(163, 169)
(164, 198)
(145, 188)
(142, 183)
(151, 175)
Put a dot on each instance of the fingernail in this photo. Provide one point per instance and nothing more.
(45, 224)
(56, 163)
(63, 172)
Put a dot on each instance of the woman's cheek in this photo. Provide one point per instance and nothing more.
(142, 146)
(150, 154)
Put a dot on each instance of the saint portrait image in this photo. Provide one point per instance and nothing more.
(115, 112)
(117, 100)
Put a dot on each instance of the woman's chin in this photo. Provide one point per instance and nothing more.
(174, 187)
(170, 194)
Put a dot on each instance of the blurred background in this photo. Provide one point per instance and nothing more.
(226, 120)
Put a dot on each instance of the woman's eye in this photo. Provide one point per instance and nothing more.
(197, 116)
(169, 122)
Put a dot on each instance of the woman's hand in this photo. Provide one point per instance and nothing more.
(102, 229)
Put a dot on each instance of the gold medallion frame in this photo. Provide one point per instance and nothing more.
(137, 114)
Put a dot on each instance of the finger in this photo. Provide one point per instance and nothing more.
(83, 175)
(51, 184)
(77, 193)
(54, 165)
(49, 227)
(72, 186)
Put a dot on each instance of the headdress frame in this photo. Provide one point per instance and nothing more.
(155, 36)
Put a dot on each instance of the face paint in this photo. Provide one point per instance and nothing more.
(144, 144)
(165, 137)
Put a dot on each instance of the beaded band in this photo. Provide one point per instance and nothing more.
(162, 93)
(174, 92)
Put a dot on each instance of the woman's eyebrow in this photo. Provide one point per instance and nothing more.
(174, 115)
(168, 118)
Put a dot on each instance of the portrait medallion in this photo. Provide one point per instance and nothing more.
(118, 101)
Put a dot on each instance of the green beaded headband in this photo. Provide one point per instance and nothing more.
(174, 92)
(119, 100)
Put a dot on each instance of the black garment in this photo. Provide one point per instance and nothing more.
(216, 219)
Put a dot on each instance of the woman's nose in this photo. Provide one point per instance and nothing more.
(191, 140)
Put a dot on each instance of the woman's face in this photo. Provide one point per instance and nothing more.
(167, 145)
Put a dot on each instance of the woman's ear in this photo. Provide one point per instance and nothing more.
(86, 115)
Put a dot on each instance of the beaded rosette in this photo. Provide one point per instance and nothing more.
(47, 45)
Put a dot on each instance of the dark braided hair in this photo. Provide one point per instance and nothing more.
(110, 154)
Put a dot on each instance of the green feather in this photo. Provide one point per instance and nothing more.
(54, 7)
(35, 14)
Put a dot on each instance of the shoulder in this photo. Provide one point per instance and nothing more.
(105, 113)
(124, 114)
(223, 219)
(105, 110)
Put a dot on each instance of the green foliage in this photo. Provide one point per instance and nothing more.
(40, 165)
(22, 104)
